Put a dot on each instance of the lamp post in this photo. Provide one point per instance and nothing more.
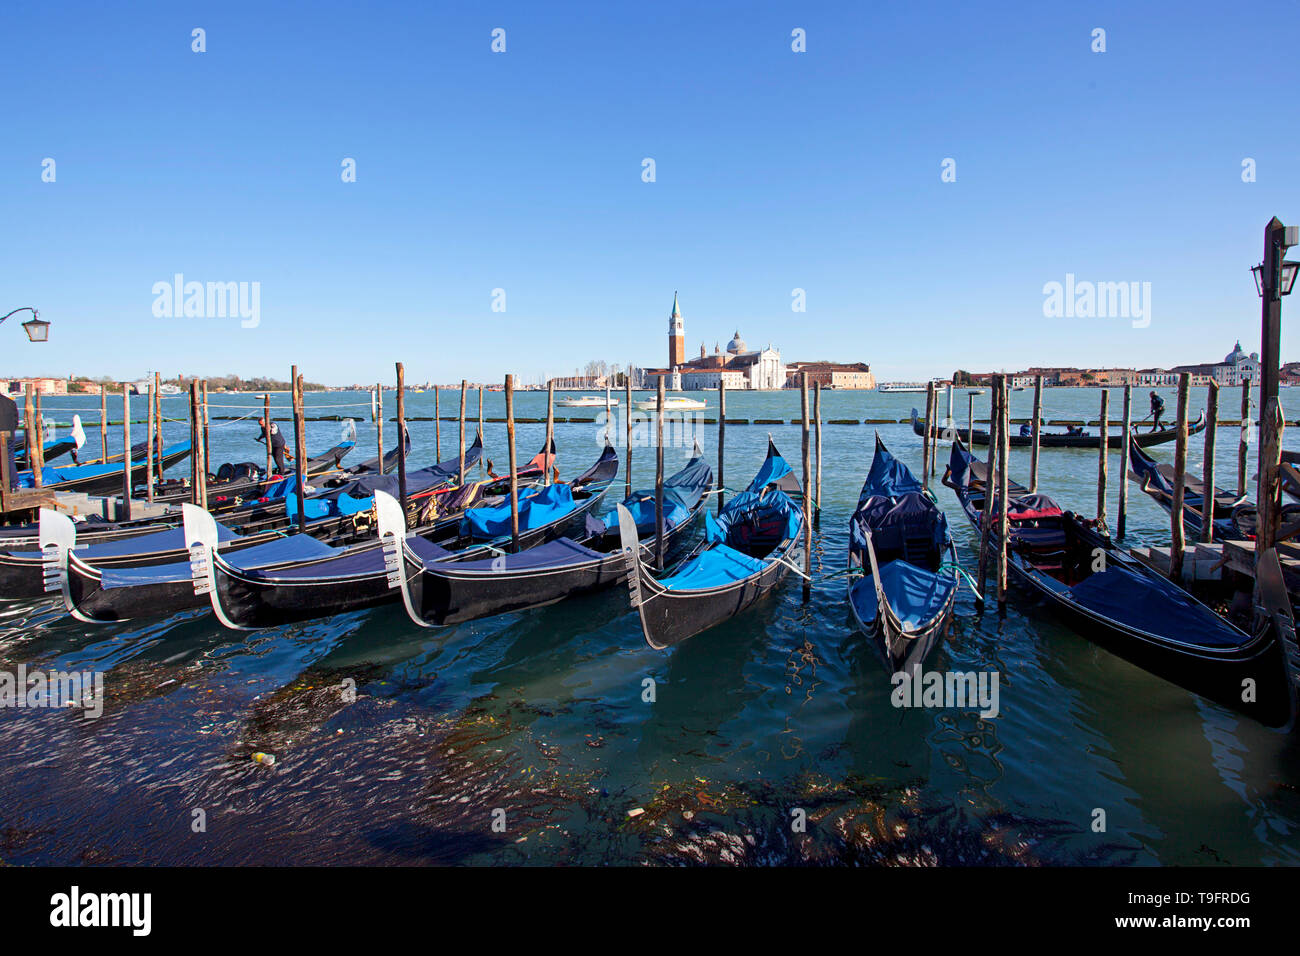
(1274, 278)
(38, 330)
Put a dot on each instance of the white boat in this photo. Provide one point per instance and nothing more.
(901, 387)
(672, 403)
(584, 401)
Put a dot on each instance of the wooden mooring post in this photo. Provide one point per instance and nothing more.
(659, 475)
(148, 455)
(126, 451)
(990, 487)
(926, 432)
(1004, 497)
(437, 423)
(103, 423)
(627, 426)
(155, 440)
(550, 429)
(1035, 431)
(300, 448)
(401, 438)
(206, 443)
(1207, 462)
(200, 465)
(1103, 458)
(722, 437)
(970, 420)
(514, 471)
(817, 435)
(1243, 444)
(34, 438)
(460, 469)
(1121, 517)
(807, 497)
(266, 418)
(1177, 539)
(379, 423)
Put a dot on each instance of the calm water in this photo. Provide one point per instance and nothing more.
(541, 714)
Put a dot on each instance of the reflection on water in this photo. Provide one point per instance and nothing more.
(557, 736)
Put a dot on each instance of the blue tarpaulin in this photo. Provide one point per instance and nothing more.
(296, 547)
(681, 493)
(718, 566)
(538, 507)
(915, 594)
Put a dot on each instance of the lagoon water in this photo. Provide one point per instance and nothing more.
(537, 722)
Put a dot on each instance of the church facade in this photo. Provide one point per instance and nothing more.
(738, 367)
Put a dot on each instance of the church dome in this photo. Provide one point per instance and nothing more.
(736, 345)
(1235, 357)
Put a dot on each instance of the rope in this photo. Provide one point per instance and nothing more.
(962, 573)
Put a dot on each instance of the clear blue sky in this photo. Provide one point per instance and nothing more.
(522, 171)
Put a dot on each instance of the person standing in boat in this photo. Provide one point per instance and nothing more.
(278, 451)
(1157, 410)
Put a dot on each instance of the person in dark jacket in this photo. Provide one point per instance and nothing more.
(278, 451)
(1157, 410)
(9, 423)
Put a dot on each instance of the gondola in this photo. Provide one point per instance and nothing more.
(358, 577)
(900, 545)
(455, 588)
(99, 478)
(335, 514)
(746, 552)
(1115, 439)
(51, 448)
(1234, 517)
(1126, 607)
(235, 483)
(151, 575)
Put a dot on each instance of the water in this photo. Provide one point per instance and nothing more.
(541, 714)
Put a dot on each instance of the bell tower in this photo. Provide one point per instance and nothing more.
(676, 337)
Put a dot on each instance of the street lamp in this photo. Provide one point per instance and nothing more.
(1285, 282)
(38, 330)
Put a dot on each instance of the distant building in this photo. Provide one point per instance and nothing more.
(749, 369)
(1236, 367)
(855, 375)
(41, 386)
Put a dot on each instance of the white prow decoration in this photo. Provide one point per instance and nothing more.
(392, 538)
(201, 539)
(78, 434)
(57, 537)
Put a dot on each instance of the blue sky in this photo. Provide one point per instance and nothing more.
(522, 171)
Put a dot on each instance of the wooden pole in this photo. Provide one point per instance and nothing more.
(970, 421)
(460, 470)
(154, 440)
(6, 479)
(609, 409)
(198, 469)
(1121, 520)
(300, 449)
(379, 422)
(807, 497)
(1271, 424)
(925, 433)
(627, 420)
(1004, 498)
(934, 432)
(1180, 469)
(1207, 463)
(482, 462)
(817, 425)
(1035, 432)
(990, 489)
(126, 451)
(659, 476)
(1103, 459)
(266, 417)
(550, 430)
(722, 436)
(401, 436)
(103, 422)
(514, 474)
(1243, 445)
(148, 457)
(437, 424)
(207, 446)
(33, 437)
